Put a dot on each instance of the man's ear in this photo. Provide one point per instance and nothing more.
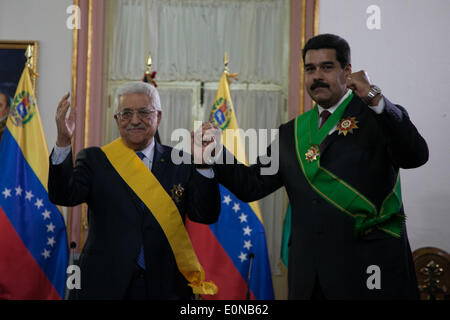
(159, 117)
(348, 70)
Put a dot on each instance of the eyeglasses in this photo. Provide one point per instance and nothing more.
(142, 113)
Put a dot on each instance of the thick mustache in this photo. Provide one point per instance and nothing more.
(135, 127)
(319, 84)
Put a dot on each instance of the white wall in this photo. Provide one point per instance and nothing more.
(408, 58)
(44, 21)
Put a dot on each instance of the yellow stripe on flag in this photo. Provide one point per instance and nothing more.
(31, 139)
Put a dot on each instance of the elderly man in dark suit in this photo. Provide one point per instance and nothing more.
(137, 247)
(340, 165)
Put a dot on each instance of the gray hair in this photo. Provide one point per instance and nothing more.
(138, 87)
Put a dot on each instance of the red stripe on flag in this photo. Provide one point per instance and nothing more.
(217, 264)
(21, 277)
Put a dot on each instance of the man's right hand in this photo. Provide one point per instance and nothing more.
(65, 125)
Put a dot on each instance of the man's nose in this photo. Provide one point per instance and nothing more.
(135, 118)
(318, 74)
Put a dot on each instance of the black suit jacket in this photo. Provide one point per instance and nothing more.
(119, 224)
(323, 246)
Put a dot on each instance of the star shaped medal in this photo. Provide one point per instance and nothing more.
(347, 125)
(177, 192)
(312, 153)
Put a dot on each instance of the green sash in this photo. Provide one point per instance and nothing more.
(336, 191)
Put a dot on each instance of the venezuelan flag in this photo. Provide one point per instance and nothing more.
(233, 251)
(33, 240)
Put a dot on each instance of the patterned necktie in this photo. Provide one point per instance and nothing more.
(140, 259)
(324, 115)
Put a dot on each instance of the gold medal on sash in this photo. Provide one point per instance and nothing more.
(347, 125)
(177, 192)
(312, 153)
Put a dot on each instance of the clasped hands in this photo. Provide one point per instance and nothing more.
(206, 143)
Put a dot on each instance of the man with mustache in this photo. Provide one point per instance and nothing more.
(137, 247)
(339, 163)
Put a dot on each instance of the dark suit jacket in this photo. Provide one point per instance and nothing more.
(119, 224)
(323, 245)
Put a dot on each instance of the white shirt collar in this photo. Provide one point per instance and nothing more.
(333, 108)
(149, 151)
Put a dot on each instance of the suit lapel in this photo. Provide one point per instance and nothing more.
(160, 162)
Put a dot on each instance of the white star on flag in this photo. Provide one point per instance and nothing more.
(51, 241)
(227, 200)
(242, 256)
(236, 207)
(248, 244)
(247, 231)
(38, 203)
(7, 193)
(46, 254)
(29, 195)
(19, 191)
(51, 227)
(243, 218)
(46, 214)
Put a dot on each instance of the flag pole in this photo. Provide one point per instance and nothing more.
(148, 65)
(29, 56)
(225, 62)
(226, 70)
(148, 78)
(29, 53)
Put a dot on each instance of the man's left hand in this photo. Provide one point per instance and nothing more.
(360, 84)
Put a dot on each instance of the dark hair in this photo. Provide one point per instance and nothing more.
(329, 41)
(8, 101)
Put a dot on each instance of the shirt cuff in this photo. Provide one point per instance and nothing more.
(378, 109)
(207, 173)
(60, 154)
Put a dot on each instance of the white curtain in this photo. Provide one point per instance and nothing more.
(176, 112)
(187, 40)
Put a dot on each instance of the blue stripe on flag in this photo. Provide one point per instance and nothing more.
(240, 233)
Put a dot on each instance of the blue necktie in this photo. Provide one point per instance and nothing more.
(140, 259)
(140, 154)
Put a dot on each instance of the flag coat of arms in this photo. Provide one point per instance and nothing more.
(33, 240)
(233, 251)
